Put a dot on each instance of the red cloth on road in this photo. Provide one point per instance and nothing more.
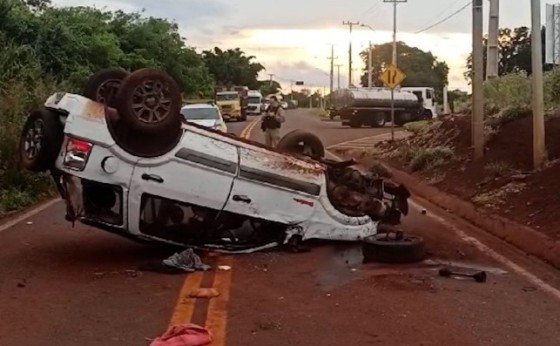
(184, 335)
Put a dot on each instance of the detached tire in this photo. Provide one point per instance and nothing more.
(104, 85)
(40, 140)
(149, 101)
(381, 248)
(302, 142)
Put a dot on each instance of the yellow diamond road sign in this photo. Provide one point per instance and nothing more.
(392, 76)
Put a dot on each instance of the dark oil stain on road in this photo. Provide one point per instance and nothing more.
(337, 269)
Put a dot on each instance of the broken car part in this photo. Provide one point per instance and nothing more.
(477, 276)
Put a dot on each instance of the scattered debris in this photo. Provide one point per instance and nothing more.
(461, 253)
(184, 335)
(204, 293)
(424, 211)
(478, 276)
(224, 268)
(529, 289)
(29, 222)
(187, 261)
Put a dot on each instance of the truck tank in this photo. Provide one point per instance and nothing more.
(372, 98)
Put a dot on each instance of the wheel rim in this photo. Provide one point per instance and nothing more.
(107, 90)
(34, 139)
(151, 102)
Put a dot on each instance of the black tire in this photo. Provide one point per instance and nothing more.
(378, 120)
(401, 119)
(40, 141)
(384, 249)
(355, 123)
(104, 85)
(302, 142)
(149, 101)
(139, 145)
(428, 114)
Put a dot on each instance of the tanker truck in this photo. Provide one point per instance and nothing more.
(372, 107)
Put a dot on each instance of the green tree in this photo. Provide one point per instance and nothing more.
(232, 67)
(514, 49)
(421, 68)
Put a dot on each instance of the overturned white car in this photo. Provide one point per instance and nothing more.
(126, 161)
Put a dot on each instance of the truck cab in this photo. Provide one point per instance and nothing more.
(427, 96)
(254, 102)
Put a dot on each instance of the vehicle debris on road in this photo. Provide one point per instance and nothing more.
(478, 276)
(184, 335)
(187, 261)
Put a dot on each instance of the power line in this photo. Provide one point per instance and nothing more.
(440, 14)
(445, 19)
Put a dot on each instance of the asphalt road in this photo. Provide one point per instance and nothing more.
(80, 286)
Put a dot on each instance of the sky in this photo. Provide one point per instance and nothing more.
(293, 38)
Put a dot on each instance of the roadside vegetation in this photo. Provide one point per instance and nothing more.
(46, 48)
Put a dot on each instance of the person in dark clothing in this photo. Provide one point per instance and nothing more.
(272, 122)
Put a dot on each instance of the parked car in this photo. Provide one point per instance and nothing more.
(204, 114)
(124, 161)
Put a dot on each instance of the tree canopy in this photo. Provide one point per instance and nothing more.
(232, 67)
(421, 68)
(514, 50)
(46, 48)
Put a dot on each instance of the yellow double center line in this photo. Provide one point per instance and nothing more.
(212, 314)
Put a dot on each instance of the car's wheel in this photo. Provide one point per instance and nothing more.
(40, 141)
(355, 122)
(378, 120)
(393, 247)
(138, 144)
(149, 101)
(104, 85)
(302, 142)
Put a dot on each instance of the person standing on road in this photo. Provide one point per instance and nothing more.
(272, 122)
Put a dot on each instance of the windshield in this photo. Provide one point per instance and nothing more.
(226, 97)
(254, 99)
(200, 113)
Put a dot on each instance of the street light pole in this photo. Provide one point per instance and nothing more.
(539, 149)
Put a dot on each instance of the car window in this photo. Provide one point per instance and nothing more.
(200, 113)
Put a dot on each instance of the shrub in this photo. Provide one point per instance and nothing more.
(379, 170)
(430, 158)
(510, 91)
(416, 126)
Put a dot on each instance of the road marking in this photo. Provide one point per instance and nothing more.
(487, 250)
(185, 304)
(28, 214)
(484, 248)
(216, 317)
(216, 322)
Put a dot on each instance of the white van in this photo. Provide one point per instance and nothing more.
(254, 102)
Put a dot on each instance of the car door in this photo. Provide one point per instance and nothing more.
(274, 186)
(198, 173)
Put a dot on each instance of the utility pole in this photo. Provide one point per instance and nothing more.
(394, 61)
(332, 59)
(493, 28)
(338, 66)
(271, 75)
(477, 82)
(539, 149)
(350, 24)
(370, 57)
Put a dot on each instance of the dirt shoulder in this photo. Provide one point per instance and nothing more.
(501, 185)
